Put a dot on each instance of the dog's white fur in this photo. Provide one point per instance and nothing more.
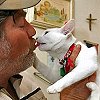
(56, 42)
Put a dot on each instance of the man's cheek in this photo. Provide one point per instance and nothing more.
(18, 51)
(4, 50)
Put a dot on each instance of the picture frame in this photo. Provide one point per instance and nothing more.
(53, 13)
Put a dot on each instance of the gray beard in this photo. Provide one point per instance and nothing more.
(12, 67)
(22, 63)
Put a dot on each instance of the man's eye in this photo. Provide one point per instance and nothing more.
(21, 26)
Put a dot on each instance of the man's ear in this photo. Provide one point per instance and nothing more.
(68, 27)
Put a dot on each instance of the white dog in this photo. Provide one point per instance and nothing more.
(56, 42)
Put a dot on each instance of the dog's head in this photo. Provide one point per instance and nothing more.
(54, 38)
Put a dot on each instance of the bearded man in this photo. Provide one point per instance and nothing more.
(16, 48)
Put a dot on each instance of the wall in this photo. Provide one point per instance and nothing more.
(82, 10)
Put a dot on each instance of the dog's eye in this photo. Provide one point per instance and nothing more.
(46, 32)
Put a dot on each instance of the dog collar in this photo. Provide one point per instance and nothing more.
(67, 62)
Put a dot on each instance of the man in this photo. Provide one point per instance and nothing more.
(16, 47)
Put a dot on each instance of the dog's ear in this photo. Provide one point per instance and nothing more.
(68, 27)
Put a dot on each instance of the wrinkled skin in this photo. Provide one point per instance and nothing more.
(16, 47)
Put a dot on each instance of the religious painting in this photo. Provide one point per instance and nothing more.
(53, 13)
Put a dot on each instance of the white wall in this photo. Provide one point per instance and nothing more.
(82, 10)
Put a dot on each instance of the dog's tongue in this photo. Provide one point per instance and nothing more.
(37, 44)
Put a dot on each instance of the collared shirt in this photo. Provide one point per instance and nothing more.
(23, 91)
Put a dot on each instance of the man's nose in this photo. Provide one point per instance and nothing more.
(30, 30)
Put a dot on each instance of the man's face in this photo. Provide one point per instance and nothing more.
(19, 34)
(18, 38)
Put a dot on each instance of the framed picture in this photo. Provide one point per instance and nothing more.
(53, 13)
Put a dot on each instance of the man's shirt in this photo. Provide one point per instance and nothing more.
(24, 88)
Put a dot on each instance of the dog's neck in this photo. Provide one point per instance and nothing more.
(61, 51)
